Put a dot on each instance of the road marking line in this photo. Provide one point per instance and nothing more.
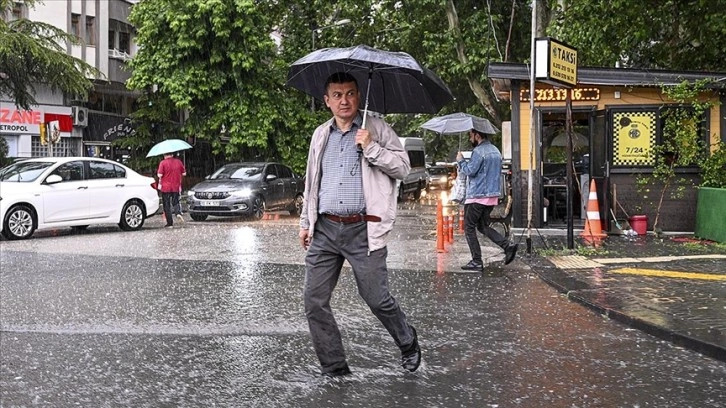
(658, 258)
(669, 274)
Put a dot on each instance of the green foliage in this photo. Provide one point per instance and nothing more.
(681, 144)
(34, 53)
(215, 61)
(4, 161)
(714, 168)
(672, 34)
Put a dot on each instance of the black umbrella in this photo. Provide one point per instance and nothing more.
(394, 81)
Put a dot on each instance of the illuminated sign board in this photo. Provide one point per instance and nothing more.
(555, 63)
(556, 95)
(18, 121)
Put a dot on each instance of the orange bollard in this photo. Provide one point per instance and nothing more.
(277, 216)
(446, 228)
(451, 229)
(440, 227)
(461, 220)
(592, 234)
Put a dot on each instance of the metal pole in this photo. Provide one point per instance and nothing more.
(530, 172)
(568, 133)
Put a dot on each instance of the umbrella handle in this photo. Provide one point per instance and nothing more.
(368, 90)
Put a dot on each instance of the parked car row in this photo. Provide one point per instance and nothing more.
(53, 192)
(247, 189)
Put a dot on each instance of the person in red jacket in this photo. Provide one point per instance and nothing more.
(171, 170)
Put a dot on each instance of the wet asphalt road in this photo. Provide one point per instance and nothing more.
(210, 314)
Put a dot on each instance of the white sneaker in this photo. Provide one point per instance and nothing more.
(180, 218)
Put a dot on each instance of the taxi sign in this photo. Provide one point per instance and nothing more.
(555, 62)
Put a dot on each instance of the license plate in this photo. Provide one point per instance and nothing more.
(210, 203)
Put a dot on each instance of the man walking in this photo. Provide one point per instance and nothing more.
(483, 172)
(170, 172)
(348, 210)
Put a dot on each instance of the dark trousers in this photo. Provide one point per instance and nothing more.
(170, 202)
(476, 218)
(332, 244)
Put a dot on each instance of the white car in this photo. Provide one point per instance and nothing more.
(54, 192)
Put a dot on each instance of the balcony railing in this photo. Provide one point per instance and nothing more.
(117, 54)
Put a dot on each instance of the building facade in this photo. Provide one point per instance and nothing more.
(617, 117)
(82, 127)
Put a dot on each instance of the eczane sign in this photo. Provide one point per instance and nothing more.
(555, 62)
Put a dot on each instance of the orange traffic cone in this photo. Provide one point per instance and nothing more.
(440, 227)
(592, 234)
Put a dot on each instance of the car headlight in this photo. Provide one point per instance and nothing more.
(245, 192)
(190, 193)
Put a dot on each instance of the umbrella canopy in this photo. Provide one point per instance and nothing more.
(393, 82)
(168, 146)
(458, 123)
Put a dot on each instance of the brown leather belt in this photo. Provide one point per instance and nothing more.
(349, 219)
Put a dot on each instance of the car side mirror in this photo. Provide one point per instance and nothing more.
(53, 179)
(271, 177)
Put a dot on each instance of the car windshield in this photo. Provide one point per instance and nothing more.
(239, 172)
(23, 172)
(438, 171)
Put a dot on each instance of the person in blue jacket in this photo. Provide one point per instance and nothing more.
(483, 172)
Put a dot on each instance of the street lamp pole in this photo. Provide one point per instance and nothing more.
(312, 42)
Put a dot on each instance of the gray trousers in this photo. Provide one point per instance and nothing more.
(333, 243)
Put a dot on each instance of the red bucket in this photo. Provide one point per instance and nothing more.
(639, 223)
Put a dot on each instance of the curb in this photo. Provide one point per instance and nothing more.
(569, 286)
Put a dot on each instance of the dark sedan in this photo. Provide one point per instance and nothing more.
(247, 189)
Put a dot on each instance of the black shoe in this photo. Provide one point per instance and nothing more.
(338, 372)
(169, 226)
(473, 266)
(509, 253)
(411, 357)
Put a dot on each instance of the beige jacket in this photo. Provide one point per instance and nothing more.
(384, 161)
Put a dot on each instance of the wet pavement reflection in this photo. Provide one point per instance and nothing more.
(210, 314)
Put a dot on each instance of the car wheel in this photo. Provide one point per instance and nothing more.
(198, 217)
(258, 208)
(132, 216)
(19, 223)
(297, 205)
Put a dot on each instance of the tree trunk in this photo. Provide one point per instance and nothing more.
(475, 85)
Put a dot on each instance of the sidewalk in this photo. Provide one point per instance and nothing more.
(672, 287)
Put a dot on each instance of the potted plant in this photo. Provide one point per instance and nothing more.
(681, 146)
(711, 199)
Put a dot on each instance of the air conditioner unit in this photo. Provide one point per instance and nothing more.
(80, 116)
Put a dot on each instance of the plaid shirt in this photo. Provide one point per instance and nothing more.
(341, 186)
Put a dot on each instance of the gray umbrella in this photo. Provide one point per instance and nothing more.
(458, 123)
(394, 81)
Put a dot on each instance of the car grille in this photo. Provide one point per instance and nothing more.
(211, 195)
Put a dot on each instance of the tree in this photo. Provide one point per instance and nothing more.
(457, 42)
(33, 53)
(216, 62)
(670, 34)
